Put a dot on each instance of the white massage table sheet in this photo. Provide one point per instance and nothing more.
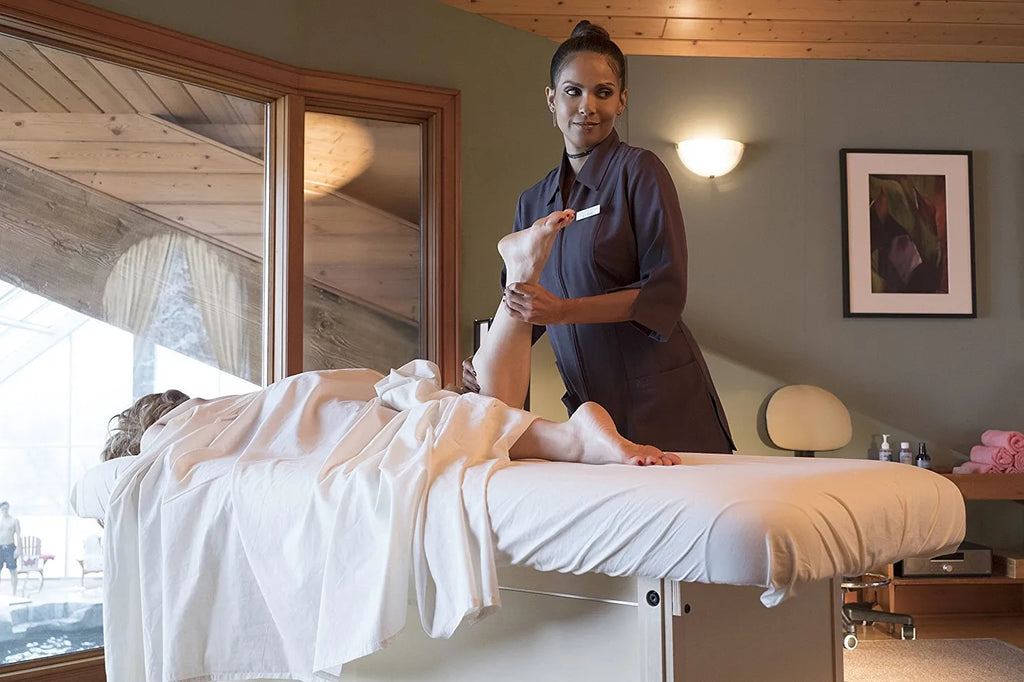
(740, 520)
(733, 519)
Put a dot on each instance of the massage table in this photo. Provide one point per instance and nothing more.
(730, 535)
(290, 533)
(724, 568)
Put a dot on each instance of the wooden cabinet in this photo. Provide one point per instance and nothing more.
(987, 595)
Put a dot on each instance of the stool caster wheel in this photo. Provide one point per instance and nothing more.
(908, 632)
(850, 641)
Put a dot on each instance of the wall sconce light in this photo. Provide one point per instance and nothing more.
(710, 158)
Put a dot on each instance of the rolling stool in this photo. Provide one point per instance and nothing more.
(863, 611)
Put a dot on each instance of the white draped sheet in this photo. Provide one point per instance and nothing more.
(275, 534)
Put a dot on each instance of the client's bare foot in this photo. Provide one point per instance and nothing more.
(600, 442)
(525, 252)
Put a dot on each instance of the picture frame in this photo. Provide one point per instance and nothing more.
(908, 233)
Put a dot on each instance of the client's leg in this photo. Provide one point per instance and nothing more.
(589, 437)
(503, 362)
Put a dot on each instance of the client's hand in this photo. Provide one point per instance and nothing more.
(469, 381)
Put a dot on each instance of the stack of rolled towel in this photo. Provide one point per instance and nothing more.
(1000, 452)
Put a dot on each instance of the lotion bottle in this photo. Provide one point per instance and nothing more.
(906, 455)
(885, 450)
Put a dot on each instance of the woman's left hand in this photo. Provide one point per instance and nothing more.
(534, 304)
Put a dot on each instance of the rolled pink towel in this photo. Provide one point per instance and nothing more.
(1018, 462)
(1000, 459)
(1011, 440)
(973, 468)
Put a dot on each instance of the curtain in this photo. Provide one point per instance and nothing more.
(132, 289)
(220, 296)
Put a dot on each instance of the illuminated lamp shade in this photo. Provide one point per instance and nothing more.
(710, 158)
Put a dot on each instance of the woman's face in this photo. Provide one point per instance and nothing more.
(586, 100)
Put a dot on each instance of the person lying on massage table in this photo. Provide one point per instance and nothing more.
(503, 371)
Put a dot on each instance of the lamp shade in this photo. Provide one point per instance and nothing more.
(807, 418)
(710, 157)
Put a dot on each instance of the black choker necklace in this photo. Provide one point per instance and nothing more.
(580, 155)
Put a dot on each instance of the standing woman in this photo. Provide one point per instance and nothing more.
(612, 292)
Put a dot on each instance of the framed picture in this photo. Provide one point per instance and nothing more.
(908, 233)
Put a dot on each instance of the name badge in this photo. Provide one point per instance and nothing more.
(587, 212)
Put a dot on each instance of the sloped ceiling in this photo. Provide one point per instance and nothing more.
(930, 30)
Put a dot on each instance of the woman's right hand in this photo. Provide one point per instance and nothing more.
(469, 381)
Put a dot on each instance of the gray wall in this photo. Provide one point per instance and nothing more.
(765, 241)
(765, 277)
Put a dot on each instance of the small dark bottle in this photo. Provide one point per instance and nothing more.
(923, 459)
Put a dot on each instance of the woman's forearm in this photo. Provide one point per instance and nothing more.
(613, 307)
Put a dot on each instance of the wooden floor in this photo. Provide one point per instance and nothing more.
(1010, 629)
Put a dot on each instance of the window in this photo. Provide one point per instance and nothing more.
(65, 339)
(133, 254)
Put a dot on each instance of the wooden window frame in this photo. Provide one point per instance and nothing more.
(288, 90)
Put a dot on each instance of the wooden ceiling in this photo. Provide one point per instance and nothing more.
(194, 157)
(922, 30)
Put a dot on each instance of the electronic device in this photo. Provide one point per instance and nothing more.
(968, 559)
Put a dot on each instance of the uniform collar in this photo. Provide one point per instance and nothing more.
(593, 170)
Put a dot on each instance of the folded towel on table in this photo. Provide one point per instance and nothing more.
(970, 467)
(1011, 440)
(998, 458)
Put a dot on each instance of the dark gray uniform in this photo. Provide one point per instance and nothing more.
(649, 372)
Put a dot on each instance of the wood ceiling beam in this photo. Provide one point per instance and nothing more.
(154, 157)
(107, 128)
(174, 189)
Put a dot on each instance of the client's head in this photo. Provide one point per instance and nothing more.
(128, 426)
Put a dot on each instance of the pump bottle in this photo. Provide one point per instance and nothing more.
(885, 450)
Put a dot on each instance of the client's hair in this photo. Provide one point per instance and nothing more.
(126, 435)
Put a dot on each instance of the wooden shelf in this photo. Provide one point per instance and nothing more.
(955, 597)
(989, 486)
(963, 580)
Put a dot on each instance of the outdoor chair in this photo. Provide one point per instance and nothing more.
(91, 560)
(31, 560)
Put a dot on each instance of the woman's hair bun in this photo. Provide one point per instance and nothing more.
(585, 29)
(588, 37)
